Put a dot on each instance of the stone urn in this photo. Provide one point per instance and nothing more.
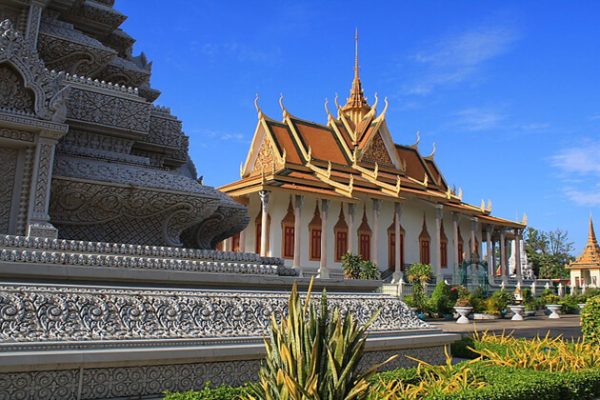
(517, 311)
(554, 309)
(463, 312)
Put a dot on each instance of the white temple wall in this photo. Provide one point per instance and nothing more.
(411, 221)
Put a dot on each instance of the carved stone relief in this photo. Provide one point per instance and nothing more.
(104, 109)
(8, 161)
(108, 213)
(13, 94)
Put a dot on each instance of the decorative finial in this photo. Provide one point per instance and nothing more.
(426, 180)
(524, 220)
(374, 106)
(329, 116)
(356, 53)
(482, 205)
(418, 140)
(258, 110)
(328, 169)
(242, 169)
(432, 151)
(489, 205)
(285, 113)
(335, 101)
(385, 107)
(460, 193)
(398, 184)
(351, 184)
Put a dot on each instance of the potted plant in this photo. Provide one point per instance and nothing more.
(552, 305)
(529, 303)
(463, 307)
(356, 268)
(517, 311)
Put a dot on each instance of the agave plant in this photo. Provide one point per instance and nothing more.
(314, 355)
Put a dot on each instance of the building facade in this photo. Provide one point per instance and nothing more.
(324, 190)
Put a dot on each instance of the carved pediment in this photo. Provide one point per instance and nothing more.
(14, 96)
(376, 152)
(49, 97)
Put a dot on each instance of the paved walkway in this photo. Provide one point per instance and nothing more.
(568, 326)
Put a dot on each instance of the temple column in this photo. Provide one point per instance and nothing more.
(397, 276)
(473, 237)
(503, 265)
(351, 232)
(323, 270)
(518, 255)
(455, 254)
(264, 229)
(299, 200)
(375, 252)
(490, 253)
(38, 223)
(243, 241)
(437, 259)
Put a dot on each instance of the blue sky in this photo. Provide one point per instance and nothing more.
(508, 90)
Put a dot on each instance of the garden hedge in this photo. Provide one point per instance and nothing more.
(504, 384)
(590, 320)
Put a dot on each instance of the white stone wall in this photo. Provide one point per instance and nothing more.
(411, 221)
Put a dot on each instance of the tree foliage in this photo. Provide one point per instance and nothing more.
(549, 252)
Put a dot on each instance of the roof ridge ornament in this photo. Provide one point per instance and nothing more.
(417, 141)
(432, 154)
(257, 106)
(329, 116)
(286, 114)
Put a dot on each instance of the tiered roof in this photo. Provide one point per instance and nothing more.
(352, 155)
(590, 258)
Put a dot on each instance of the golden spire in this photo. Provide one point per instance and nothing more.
(356, 105)
(591, 254)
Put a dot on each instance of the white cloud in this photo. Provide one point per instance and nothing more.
(580, 172)
(218, 135)
(477, 119)
(457, 58)
(582, 160)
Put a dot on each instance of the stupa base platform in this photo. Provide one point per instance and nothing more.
(107, 342)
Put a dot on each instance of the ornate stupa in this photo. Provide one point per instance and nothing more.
(586, 268)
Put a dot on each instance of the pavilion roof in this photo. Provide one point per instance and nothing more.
(590, 258)
(351, 156)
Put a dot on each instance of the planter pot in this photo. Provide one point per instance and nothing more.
(581, 306)
(463, 312)
(554, 309)
(517, 312)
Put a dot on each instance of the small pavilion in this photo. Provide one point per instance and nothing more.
(585, 270)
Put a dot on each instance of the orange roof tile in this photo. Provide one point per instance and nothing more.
(321, 140)
(284, 139)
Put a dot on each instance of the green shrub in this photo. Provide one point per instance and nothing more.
(222, 392)
(590, 320)
(569, 304)
(440, 302)
(497, 302)
(529, 300)
(419, 275)
(356, 268)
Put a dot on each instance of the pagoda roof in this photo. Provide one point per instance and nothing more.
(590, 258)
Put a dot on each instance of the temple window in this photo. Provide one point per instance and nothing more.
(392, 246)
(287, 232)
(340, 230)
(443, 247)
(424, 244)
(235, 243)
(314, 240)
(364, 237)
(460, 248)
